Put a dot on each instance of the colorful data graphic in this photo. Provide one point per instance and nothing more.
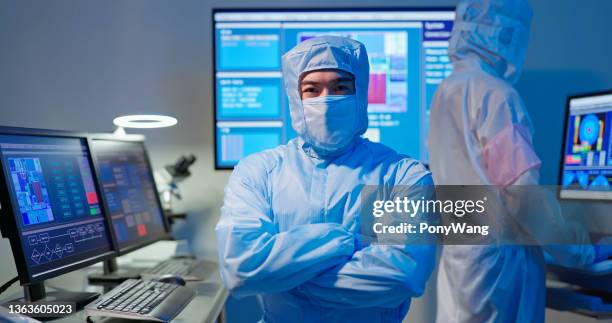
(587, 162)
(388, 56)
(590, 132)
(587, 147)
(586, 180)
(69, 181)
(54, 200)
(68, 194)
(31, 190)
(58, 243)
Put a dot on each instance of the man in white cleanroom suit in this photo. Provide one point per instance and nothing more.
(289, 230)
(480, 134)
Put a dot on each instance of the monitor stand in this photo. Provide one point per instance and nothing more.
(112, 274)
(36, 293)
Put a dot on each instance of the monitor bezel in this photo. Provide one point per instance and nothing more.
(9, 225)
(564, 143)
(130, 139)
(297, 9)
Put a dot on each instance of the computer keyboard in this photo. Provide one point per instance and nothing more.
(188, 269)
(142, 300)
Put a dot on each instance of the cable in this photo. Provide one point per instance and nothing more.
(8, 284)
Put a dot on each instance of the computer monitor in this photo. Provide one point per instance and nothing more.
(586, 169)
(51, 208)
(408, 53)
(129, 192)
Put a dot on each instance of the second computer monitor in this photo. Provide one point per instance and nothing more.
(586, 170)
(130, 195)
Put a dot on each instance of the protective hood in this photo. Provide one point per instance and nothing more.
(495, 32)
(326, 52)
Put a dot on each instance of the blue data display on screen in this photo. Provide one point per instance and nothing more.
(55, 200)
(249, 97)
(237, 48)
(587, 160)
(31, 190)
(235, 143)
(408, 57)
(129, 191)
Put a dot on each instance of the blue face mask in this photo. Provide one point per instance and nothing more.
(331, 122)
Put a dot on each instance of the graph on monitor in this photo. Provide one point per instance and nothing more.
(587, 160)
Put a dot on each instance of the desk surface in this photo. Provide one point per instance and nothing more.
(205, 307)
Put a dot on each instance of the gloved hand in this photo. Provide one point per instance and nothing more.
(603, 249)
(602, 252)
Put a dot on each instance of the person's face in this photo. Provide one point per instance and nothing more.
(326, 82)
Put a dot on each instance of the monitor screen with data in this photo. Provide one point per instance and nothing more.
(587, 153)
(58, 216)
(130, 195)
(408, 57)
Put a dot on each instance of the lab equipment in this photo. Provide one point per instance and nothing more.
(587, 149)
(132, 200)
(408, 59)
(142, 121)
(289, 229)
(130, 197)
(51, 208)
(584, 177)
(586, 154)
(130, 194)
(145, 121)
(170, 176)
(147, 300)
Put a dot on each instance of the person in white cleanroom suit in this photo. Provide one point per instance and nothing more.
(480, 134)
(289, 230)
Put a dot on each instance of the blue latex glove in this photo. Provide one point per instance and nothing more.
(602, 252)
(603, 249)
